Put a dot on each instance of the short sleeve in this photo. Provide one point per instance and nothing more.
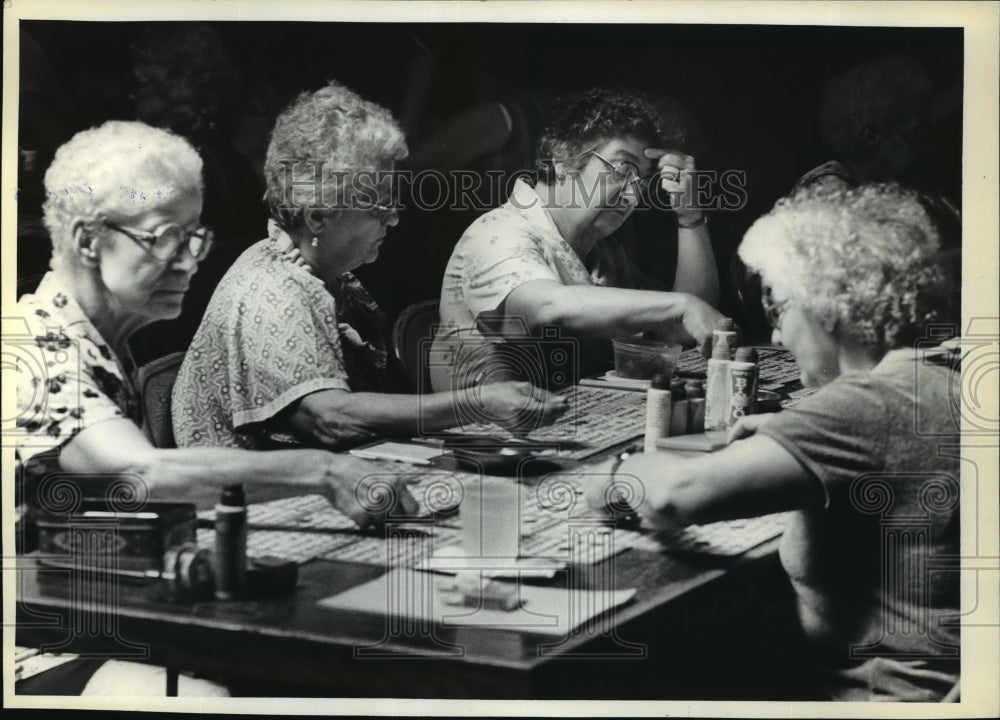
(284, 345)
(837, 434)
(66, 383)
(269, 337)
(502, 252)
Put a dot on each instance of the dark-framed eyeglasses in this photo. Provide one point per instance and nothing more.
(625, 172)
(166, 241)
(772, 309)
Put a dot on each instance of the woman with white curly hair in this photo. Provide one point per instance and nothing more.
(122, 207)
(852, 281)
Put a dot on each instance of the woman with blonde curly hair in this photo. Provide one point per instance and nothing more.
(852, 282)
(292, 348)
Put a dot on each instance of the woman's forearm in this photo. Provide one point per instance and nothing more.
(751, 477)
(332, 417)
(118, 447)
(219, 466)
(589, 311)
(697, 273)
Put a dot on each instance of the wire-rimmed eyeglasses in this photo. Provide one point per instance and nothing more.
(625, 172)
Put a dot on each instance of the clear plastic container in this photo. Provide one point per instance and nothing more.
(640, 359)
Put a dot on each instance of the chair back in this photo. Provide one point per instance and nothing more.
(155, 382)
(414, 325)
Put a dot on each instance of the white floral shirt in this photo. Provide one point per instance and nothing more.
(505, 248)
(68, 377)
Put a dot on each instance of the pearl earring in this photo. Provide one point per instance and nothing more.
(315, 242)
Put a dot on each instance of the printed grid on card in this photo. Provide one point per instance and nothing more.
(312, 528)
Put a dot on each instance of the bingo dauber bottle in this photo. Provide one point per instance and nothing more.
(657, 412)
(230, 556)
(717, 383)
(743, 376)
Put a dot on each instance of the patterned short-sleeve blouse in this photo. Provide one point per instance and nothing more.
(68, 377)
(502, 250)
(272, 334)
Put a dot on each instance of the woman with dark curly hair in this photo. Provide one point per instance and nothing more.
(526, 263)
(853, 282)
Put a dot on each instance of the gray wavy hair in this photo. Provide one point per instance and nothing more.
(121, 167)
(866, 258)
(337, 130)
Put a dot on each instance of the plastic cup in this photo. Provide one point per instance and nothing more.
(491, 518)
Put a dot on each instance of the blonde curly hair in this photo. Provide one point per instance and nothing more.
(865, 258)
(120, 166)
(337, 130)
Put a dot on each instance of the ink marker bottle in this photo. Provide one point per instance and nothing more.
(743, 375)
(657, 412)
(230, 556)
(695, 390)
(678, 409)
(717, 383)
(725, 331)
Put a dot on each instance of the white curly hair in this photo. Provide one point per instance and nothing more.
(865, 258)
(121, 167)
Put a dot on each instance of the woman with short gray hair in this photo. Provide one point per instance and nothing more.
(292, 348)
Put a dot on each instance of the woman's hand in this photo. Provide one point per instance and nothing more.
(746, 426)
(676, 179)
(520, 406)
(613, 497)
(699, 320)
(366, 493)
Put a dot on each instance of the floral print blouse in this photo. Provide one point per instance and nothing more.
(68, 377)
(502, 250)
(272, 334)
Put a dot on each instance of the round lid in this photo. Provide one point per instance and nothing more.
(660, 381)
(233, 495)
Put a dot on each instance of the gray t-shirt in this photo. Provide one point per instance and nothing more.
(884, 446)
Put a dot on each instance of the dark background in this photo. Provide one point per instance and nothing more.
(754, 91)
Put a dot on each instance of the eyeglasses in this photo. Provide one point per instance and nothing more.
(166, 241)
(382, 211)
(772, 310)
(625, 172)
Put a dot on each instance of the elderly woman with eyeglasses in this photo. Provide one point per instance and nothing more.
(853, 283)
(292, 348)
(122, 209)
(545, 258)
